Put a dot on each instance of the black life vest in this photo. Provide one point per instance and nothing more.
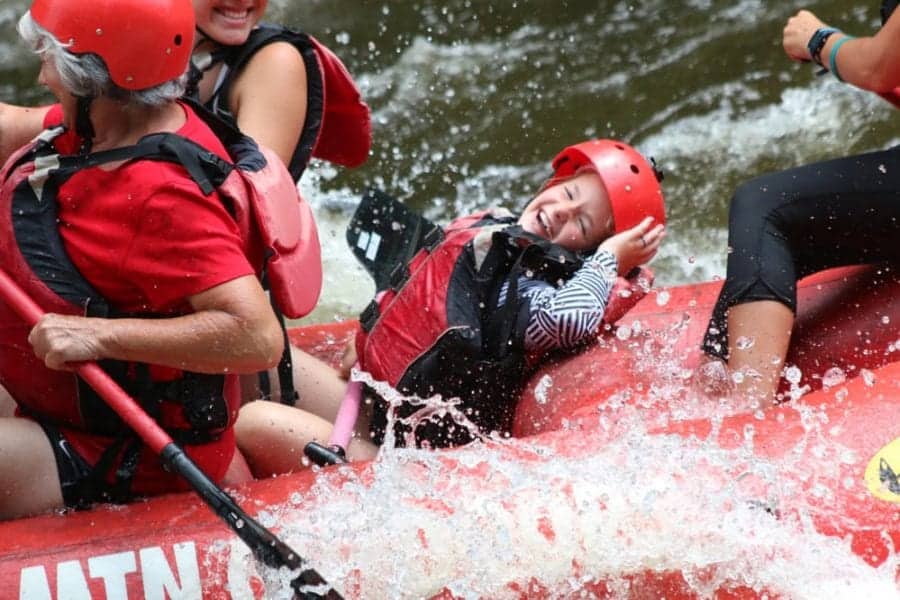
(338, 123)
(440, 328)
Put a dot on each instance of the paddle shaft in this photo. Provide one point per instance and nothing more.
(265, 546)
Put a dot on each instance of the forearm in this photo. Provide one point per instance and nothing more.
(566, 316)
(863, 62)
(209, 341)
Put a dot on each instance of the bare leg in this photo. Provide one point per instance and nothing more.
(758, 336)
(29, 481)
(272, 437)
(318, 385)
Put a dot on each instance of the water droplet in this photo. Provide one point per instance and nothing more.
(882, 168)
(885, 320)
(833, 377)
(663, 297)
(744, 342)
(541, 389)
(623, 333)
(868, 377)
(793, 374)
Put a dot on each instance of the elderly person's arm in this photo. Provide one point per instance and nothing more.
(233, 330)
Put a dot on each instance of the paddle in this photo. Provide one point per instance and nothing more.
(265, 546)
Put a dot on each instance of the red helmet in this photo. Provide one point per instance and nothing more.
(144, 43)
(631, 182)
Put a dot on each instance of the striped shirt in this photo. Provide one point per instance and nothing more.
(564, 316)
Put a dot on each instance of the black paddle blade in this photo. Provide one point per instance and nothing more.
(266, 547)
(384, 234)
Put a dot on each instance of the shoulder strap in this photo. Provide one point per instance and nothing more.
(237, 58)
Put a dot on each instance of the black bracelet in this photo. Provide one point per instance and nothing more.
(817, 42)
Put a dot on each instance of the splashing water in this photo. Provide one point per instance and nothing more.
(476, 520)
(585, 511)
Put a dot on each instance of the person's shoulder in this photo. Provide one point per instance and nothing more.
(196, 130)
(280, 59)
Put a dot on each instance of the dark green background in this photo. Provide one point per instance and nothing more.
(472, 98)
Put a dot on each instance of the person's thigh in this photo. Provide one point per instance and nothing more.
(7, 404)
(29, 480)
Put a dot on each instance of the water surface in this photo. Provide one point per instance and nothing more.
(472, 98)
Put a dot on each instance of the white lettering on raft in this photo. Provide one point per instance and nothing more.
(160, 582)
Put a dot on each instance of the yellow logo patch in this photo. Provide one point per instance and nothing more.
(883, 473)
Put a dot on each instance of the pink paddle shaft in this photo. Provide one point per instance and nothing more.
(347, 415)
(123, 404)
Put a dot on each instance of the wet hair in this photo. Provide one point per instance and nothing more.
(86, 75)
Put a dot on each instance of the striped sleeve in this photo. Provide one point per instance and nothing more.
(564, 317)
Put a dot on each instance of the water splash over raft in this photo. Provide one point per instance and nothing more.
(565, 515)
(616, 488)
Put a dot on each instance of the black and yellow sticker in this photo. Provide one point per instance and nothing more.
(883, 473)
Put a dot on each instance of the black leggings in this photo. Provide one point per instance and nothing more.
(786, 225)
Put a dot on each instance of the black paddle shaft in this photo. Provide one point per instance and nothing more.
(267, 548)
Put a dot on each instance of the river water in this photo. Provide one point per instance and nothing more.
(471, 99)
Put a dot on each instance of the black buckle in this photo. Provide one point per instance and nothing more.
(399, 275)
(369, 316)
(434, 237)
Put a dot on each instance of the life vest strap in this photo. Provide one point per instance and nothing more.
(369, 316)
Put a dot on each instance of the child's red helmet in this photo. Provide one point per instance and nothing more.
(144, 43)
(631, 182)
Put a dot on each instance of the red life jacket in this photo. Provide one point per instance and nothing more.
(440, 328)
(279, 238)
(338, 123)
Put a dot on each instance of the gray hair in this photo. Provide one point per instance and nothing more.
(87, 75)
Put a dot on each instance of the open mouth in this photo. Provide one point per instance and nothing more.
(544, 222)
(234, 15)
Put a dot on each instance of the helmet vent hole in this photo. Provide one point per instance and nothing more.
(178, 39)
(634, 169)
(620, 147)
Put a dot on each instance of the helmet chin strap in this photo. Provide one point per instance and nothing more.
(83, 126)
(201, 62)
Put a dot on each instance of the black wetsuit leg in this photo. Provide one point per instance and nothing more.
(786, 225)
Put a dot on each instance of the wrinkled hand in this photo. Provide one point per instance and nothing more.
(62, 339)
(797, 33)
(635, 246)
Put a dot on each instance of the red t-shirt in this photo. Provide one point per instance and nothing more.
(144, 235)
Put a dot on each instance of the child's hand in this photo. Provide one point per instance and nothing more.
(635, 246)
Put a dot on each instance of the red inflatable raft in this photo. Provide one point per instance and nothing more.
(617, 485)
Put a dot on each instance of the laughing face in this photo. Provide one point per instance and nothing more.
(228, 22)
(574, 213)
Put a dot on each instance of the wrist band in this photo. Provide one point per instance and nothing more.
(817, 42)
(832, 58)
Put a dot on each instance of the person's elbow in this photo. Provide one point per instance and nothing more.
(267, 341)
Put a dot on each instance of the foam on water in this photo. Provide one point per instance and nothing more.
(414, 523)
(583, 511)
